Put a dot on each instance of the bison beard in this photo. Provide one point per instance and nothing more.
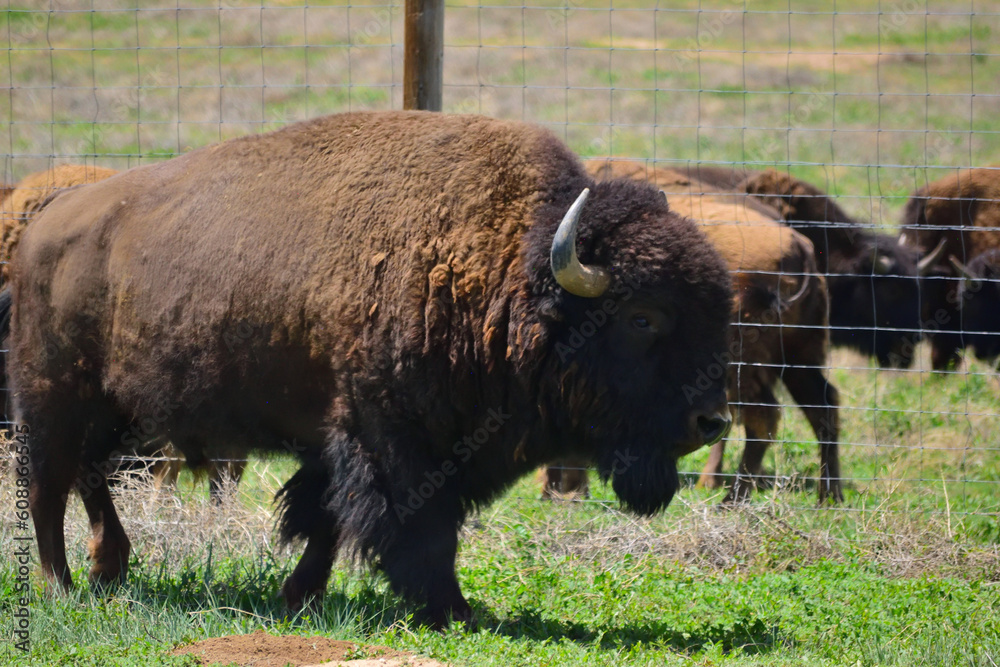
(408, 279)
(632, 480)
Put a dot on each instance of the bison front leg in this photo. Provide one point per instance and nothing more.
(820, 402)
(47, 500)
(420, 560)
(308, 581)
(305, 513)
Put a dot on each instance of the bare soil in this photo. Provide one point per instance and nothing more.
(261, 649)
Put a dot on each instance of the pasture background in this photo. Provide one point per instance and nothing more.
(867, 102)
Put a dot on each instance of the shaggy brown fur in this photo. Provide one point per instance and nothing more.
(406, 335)
(27, 199)
(30, 195)
(963, 210)
(780, 332)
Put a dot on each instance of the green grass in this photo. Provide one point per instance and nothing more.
(567, 583)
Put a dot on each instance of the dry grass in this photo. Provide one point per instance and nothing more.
(769, 536)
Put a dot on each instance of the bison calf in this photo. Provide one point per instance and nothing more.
(443, 310)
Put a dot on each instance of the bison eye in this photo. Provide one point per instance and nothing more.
(640, 321)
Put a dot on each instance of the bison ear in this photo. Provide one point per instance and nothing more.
(664, 196)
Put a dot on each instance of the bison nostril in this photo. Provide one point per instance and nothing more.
(713, 428)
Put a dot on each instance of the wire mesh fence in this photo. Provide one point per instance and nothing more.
(867, 103)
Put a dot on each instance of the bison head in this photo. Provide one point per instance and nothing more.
(640, 339)
(979, 300)
(875, 301)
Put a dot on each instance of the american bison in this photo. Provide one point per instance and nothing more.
(876, 284)
(979, 300)
(27, 199)
(442, 310)
(780, 328)
(960, 214)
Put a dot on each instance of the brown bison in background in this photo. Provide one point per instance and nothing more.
(961, 214)
(30, 195)
(441, 310)
(780, 328)
(877, 286)
(24, 202)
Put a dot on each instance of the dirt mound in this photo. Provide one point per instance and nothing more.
(263, 650)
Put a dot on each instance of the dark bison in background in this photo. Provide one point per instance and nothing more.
(25, 201)
(444, 311)
(979, 300)
(961, 214)
(876, 284)
(779, 328)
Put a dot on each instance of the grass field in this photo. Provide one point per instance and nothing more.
(868, 106)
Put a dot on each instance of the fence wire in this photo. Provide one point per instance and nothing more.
(868, 103)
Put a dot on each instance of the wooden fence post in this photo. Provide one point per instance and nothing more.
(423, 54)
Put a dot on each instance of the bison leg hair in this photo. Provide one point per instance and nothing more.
(109, 546)
(820, 402)
(760, 420)
(420, 565)
(305, 513)
(711, 474)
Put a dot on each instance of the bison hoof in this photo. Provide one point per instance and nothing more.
(110, 564)
(709, 481)
(298, 597)
(440, 618)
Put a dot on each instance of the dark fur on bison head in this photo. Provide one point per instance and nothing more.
(979, 304)
(610, 375)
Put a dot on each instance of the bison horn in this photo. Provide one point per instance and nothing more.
(927, 262)
(961, 269)
(572, 276)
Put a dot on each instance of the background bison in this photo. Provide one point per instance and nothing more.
(30, 195)
(876, 284)
(439, 320)
(960, 214)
